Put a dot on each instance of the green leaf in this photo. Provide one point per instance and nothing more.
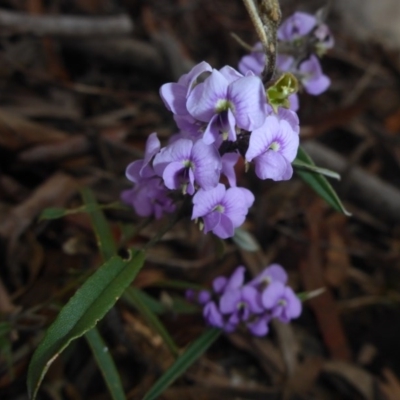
(55, 212)
(319, 183)
(302, 166)
(140, 301)
(152, 304)
(245, 240)
(106, 364)
(193, 352)
(82, 312)
(105, 240)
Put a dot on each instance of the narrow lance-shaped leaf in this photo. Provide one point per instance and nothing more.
(194, 351)
(100, 225)
(82, 312)
(59, 212)
(319, 183)
(106, 364)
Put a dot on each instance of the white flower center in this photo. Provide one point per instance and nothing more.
(275, 146)
(224, 105)
(220, 208)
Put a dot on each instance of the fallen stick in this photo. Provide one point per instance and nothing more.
(378, 197)
(64, 25)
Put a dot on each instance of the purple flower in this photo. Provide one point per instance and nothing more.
(224, 104)
(259, 325)
(233, 303)
(281, 301)
(142, 169)
(174, 95)
(212, 315)
(273, 147)
(313, 79)
(296, 26)
(221, 209)
(254, 62)
(290, 117)
(272, 273)
(184, 163)
(149, 197)
(325, 38)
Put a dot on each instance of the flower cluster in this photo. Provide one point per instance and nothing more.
(232, 303)
(302, 37)
(224, 114)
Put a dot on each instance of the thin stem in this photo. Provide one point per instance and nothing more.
(266, 16)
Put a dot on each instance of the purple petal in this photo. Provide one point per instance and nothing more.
(237, 201)
(314, 81)
(211, 132)
(293, 306)
(211, 221)
(317, 86)
(204, 201)
(297, 25)
(225, 228)
(172, 175)
(133, 171)
(294, 102)
(248, 96)
(259, 327)
(262, 137)
(219, 284)
(174, 97)
(203, 297)
(229, 301)
(203, 100)
(212, 315)
(273, 165)
(189, 80)
(272, 294)
(207, 163)
(276, 273)
(251, 296)
(177, 151)
(236, 280)
(230, 74)
(254, 61)
(229, 161)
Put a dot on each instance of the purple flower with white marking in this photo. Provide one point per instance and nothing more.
(174, 96)
(272, 148)
(149, 198)
(272, 273)
(254, 62)
(182, 164)
(142, 169)
(221, 209)
(225, 102)
(281, 301)
(312, 77)
(238, 300)
(296, 26)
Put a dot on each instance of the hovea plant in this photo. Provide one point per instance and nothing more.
(222, 115)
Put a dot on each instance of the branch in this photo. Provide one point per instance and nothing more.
(266, 16)
(62, 25)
